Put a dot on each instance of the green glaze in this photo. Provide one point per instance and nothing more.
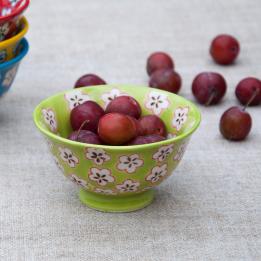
(114, 178)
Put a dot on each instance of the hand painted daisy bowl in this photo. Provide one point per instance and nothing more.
(10, 17)
(117, 178)
(8, 48)
(9, 69)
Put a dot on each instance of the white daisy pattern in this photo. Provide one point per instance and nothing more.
(9, 77)
(163, 153)
(129, 163)
(180, 152)
(101, 176)
(128, 186)
(157, 102)
(80, 182)
(4, 29)
(104, 191)
(67, 156)
(59, 165)
(180, 117)
(6, 11)
(50, 119)
(109, 96)
(157, 173)
(98, 156)
(76, 98)
(13, 2)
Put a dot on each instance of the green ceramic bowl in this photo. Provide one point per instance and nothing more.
(117, 178)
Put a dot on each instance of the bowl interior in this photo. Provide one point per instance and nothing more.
(180, 116)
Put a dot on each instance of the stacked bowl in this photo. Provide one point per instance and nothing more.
(13, 45)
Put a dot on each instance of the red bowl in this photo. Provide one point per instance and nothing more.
(10, 13)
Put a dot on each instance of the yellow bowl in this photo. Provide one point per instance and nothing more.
(8, 48)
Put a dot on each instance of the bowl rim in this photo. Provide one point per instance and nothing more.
(18, 36)
(117, 148)
(17, 11)
(19, 57)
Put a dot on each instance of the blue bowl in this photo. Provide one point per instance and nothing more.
(9, 69)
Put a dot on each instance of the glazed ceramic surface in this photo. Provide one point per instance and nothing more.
(9, 69)
(10, 16)
(8, 48)
(124, 173)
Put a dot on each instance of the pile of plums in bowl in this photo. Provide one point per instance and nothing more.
(117, 142)
(119, 124)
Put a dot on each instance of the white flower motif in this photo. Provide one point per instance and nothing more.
(49, 118)
(4, 29)
(157, 173)
(59, 165)
(171, 135)
(78, 181)
(109, 96)
(180, 117)
(76, 98)
(9, 77)
(157, 102)
(101, 176)
(6, 11)
(128, 186)
(181, 151)
(13, 2)
(98, 156)
(130, 163)
(68, 157)
(104, 191)
(163, 153)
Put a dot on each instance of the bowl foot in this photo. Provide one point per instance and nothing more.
(107, 203)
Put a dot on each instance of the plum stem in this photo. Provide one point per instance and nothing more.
(78, 132)
(210, 99)
(255, 93)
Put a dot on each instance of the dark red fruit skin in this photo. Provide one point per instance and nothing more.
(224, 49)
(116, 128)
(90, 111)
(85, 136)
(152, 124)
(89, 80)
(207, 83)
(246, 88)
(166, 79)
(159, 60)
(137, 125)
(235, 124)
(125, 105)
(146, 139)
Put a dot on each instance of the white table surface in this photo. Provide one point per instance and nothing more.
(210, 209)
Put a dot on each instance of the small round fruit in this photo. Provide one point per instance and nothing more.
(249, 89)
(90, 112)
(159, 60)
(152, 124)
(209, 87)
(166, 79)
(224, 49)
(235, 124)
(125, 105)
(146, 139)
(137, 125)
(85, 136)
(116, 128)
(89, 80)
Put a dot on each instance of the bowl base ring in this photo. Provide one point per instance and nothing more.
(106, 203)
